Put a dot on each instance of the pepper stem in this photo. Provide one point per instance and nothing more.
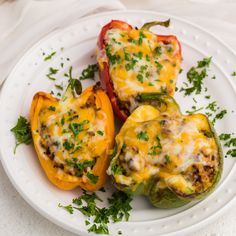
(148, 25)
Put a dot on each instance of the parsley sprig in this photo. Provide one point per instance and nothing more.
(195, 77)
(97, 217)
(89, 72)
(22, 132)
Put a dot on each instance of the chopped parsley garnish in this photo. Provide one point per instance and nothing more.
(51, 72)
(138, 55)
(116, 169)
(89, 72)
(212, 106)
(162, 122)
(99, 132)
(224, 137)
(167, 159)
(98, 218)
(142, 135)
(79, 166)
(158, 50)
(141, 37)
(230, 142)
(113, 58)
(68, 208)
(59, 86)
(119, 206)
(195, 77)
(49, 57)
(130, 65)
(140, 78)
(219, 116)
(233, 73)
(158, 66)
(77, 128)
(68, 146)
(204, 63)
(52, 108)
(231, 152)
(93, 178)
(194, 110)
(22, 132)
(147, 57)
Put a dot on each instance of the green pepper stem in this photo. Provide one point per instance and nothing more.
(148, 25)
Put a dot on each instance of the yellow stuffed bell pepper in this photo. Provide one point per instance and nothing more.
(73, 136)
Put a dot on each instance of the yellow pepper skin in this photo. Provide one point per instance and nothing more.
(57, 174)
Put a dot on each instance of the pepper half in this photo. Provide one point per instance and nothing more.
(73, 136)
(171, 158)
(134, 61)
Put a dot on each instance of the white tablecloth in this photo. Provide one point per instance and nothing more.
(218, 16)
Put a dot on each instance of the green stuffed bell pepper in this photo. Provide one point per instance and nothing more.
(171, 158)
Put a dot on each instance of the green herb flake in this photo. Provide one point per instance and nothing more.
(158, 50)
(219, 116)
(142, 135)
(49, 57)
(231, 152)
(87, 222)
(148, 57)
(78, 165)
(77, 128)
(116, 169)
(93, 178)
(233, 73)
(119, 208)
(89, 72)
(140, 78)
(138, 55)
(99, 132)
(158, 66)
(62, 121)
(196, 76)
(22, 132)
(68, 208)
(167, 159)
(204, 63)
(224, 136)
(68, 146)
(59, 87)
(52, 108)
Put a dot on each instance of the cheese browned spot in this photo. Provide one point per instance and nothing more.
(175, 148)
(138, 62)
(72, 134)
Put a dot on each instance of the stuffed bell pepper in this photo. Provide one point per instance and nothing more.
(170, 157)
(134, 61)
(73, 136)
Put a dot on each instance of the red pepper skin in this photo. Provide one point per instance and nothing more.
(105, 77)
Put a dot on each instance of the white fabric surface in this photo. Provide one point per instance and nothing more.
(218, 16)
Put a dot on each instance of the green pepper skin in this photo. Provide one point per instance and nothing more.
(166, 197)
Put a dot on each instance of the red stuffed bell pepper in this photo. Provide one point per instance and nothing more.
(134, 61)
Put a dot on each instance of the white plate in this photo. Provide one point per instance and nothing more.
(79, 42)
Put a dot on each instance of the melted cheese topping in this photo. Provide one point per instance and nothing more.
(73, 134)
(139, 62)
(174, 148)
